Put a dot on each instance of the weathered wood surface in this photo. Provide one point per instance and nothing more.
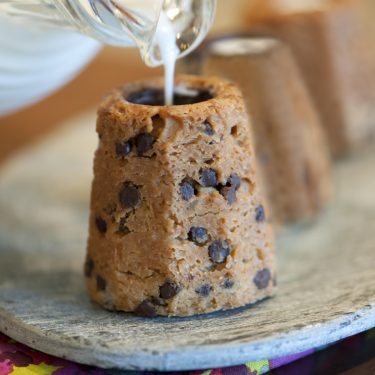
(326, 273)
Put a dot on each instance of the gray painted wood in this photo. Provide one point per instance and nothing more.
(326, 273)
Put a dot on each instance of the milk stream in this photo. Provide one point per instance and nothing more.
(165, 38)
(163, 30)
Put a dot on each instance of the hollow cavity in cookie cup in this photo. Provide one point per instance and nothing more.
(188, 90)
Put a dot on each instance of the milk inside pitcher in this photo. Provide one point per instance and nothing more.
(123, 23)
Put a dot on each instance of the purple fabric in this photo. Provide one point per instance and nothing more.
(278, 362)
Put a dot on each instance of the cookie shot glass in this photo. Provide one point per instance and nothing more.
(178, 225)
(291, 147)
(332, 42)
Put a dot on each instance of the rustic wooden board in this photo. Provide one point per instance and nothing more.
(326, 273)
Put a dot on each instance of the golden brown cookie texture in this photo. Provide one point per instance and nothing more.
(177, 224)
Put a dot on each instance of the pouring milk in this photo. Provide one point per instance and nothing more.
(52, 37)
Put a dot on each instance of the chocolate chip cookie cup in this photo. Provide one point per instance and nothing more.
(178, 225)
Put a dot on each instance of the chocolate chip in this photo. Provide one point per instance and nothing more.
(123, 148)
(146, 308)
(129, 195)
(234, 131)
(187, 189)
(229, 193)
(262, 278)
(207, 128)
(260, 215)
(89, 267)
(100, 283)
(218, 251)
(123, 228)
(235, 181)
(228, 284)
(208, 177)
(169, 289)
(204, 290)
(229, 190)
(101, 224)
(144, 143)
(198, 235)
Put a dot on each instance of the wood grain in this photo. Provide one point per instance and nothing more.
(326, 288)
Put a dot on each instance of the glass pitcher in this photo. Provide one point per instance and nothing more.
(120, 22)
